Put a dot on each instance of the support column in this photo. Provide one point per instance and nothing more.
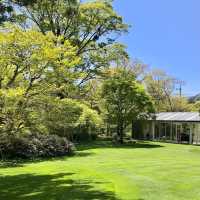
(191, 130)
(171, 130)
(159, 128)
(153, 129)
(198, 131)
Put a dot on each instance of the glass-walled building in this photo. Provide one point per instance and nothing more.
(180, 127)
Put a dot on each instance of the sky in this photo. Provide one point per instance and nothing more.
(165, 34)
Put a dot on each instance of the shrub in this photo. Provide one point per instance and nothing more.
(85, 133)
(34, 145)
(94, 136)
(88, 126)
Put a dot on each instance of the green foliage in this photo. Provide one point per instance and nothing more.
(11, 115)
(36, 73)
(161, 87)
(36, 81)
(35, 145)
(125, 99)
(35, 68)
(29, 58)
(181, 104)
(82, 23)
(91, 26)
(196, 106)
(54, 115)
(89, 116)
(88, 125)
(100, 170)
(64, 117)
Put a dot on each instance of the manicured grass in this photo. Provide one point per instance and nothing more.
(145, 171)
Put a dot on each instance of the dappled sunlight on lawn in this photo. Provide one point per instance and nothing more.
(105, 171)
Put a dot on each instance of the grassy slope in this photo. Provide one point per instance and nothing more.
(146, 171)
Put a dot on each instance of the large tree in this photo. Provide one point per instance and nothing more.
(31, 65)
(91, 26)
(161, 88)
(125, 99)
(34, 69)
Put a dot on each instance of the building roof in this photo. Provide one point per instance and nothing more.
(178, 116)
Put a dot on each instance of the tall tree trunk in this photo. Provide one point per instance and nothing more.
(108, 129)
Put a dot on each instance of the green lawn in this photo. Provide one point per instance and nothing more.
(145, 171)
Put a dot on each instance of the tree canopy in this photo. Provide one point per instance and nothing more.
(91, 26)
(64, 73)
(125, 99)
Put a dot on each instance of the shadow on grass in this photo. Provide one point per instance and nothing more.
(50, 187)
(109, 144)
(80, 152)
(9, 163)
(12, 163)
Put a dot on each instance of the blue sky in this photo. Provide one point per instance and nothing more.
(165, 34)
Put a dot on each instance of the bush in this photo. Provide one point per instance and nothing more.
(85, 133)
(34, 145)
(94, 136)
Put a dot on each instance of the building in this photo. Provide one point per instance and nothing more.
(179, 127)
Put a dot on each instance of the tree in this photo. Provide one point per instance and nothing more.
(125, 99)
(196, 106)
(181, 104)
(63, 117)
(138, 68)
(33, 66)
(161, 87)
(36, 70)
(91, 26)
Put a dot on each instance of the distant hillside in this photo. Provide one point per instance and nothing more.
(195, 98)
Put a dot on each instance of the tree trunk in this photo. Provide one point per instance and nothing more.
(108, 129)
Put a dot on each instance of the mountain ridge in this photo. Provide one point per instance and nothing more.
(194, 98)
